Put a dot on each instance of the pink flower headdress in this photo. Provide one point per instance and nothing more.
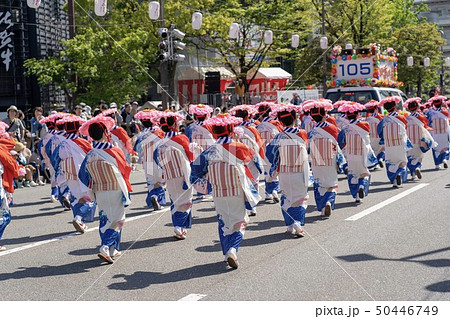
(414, 99)
(285, 107)
(372, 104)
(251, 109)
(320, 103)
(200, 110)
(395, 99)
(264, 106)
(146, 114)
(350, 107)
(437, 98)
(338, 104)
(165, 114)
(109, 112)
(70, 118)
(105, 120)
(53, 117)
(223, 119)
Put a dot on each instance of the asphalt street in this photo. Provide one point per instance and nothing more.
(400, 251)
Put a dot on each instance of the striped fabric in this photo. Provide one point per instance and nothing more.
(200, 140)
(170, 134)
(224, 179)
(103, 178)
(439, 125)
(101, 145)
(224, 140)
(148, 148)
(414, 133)
(354, 144)
(267, 136)
(72, 136)
(373, 133)
(291, 159)
(171, 161)
(309, 126)
(392, 135)
(68, 168)
(322, 151)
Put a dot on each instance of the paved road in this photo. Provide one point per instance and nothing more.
(398, 252)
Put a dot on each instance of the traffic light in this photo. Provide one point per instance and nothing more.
(164, 45)
(177, 45)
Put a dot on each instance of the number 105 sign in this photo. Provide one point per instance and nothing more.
(354, 69)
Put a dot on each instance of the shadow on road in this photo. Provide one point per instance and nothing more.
(28, 239)
(442, 286)
(50, 213)
(439, 262)
(27, 204)
(47, 271)
(144, 279)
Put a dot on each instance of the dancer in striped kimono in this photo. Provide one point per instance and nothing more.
(269, 127)
(342, 120)
(49, 121)
(307, 122)
(392, 132)
(200, 134)
(145, 145)
(373, 117)
(119, 137)
(66, 160)
(252, 139)
(326, 156)
(106, 172)
(174, 157)
(439, 121)
(355, 138)
(226, 165)
(9, 170)
(62, 189)
(288, 156)
(420, 136)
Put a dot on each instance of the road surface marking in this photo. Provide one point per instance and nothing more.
(372, 209)
(192, 297)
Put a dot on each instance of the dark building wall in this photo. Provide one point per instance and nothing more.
(30, 33)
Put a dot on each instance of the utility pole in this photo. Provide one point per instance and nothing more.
(442, 84)
(163, 68)
(71, 15)
(324, 58)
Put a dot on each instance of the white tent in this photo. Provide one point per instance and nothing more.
(271, 73)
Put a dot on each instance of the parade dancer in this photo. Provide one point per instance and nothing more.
(307, 122)
(106, 172)
(62, 190)
(119, 137)
(252, 139)
(226, 166)
(342, 120)
(359, 154)
(392, 132)
(269, 127)
(9, 170)
(200, 134)
(420, 136)
(145, 145)
(439, 121)
(326, 157)
(66, 161)
(173, 156)
(373, 117)
(288, 156)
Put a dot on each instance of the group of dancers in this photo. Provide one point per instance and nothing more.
(292, 146)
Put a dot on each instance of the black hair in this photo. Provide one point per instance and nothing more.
(72, 127)
(96, 131)
(219, 131)
(263, 111)
(60, 127)
(352, 115)
(371, 110)
(50, 125)
(389, 106)
(97, 112)
(317, 114)
(413, 106)
(241, 113)
(200, 117)
(146, 123)
(287, 118)
(167, 123)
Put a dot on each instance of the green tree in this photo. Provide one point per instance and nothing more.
(112, 57)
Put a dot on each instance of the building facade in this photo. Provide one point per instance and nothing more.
(29, 33)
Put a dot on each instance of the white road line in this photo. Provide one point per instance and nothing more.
(192, 297)
(47, 241)
(372, 209)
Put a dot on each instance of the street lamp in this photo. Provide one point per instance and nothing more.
(153, 10)
(234, 30)
(101, 7)
(441, 78)
(324, 58)
(426, 61)
(410, 61)
(295, 41)
(268, 37)
(197, 19)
